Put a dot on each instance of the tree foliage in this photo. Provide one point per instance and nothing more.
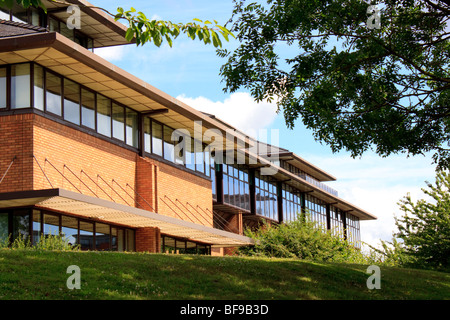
(357, 87)
(143, 30)
(425, 225)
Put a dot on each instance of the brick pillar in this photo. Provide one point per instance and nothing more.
(148, 240)
(146, 185)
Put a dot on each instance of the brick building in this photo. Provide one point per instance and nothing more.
(90, 151)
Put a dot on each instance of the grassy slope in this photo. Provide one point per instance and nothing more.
(108, 275)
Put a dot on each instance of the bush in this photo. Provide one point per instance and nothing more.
(48, 242)
(301, 239)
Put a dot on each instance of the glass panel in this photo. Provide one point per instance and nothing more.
(3, 87)
(53, 93)
(120, 240)
(199, 160)
(147, 135)
(168, 144)
(71, 101)
(118, 122)
(132, 135)
(53, 25)
(190, 155)
(20, 86)
(156, 138)
(86, 240)
(38, 87)
(179, 148)
(88, 108)
(21, 224)
(51, 225)
(69, 229)
(66, 32)
(103, 115)
(4, 232)
(130, 240)
(36, 226)
(102, 236)
(114, 239)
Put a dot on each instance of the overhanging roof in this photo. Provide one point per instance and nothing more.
(100, 210)
(95, 22)
(56, 52)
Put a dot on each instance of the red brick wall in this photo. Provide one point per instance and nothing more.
(16, 141)
(177, 193)
(81, 157)
(148, 240)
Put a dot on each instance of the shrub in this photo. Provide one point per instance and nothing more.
(48, 242)
(301, 239)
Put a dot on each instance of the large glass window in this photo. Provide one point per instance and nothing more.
(53, 93)
(147, 135)
(71, 101)
(102, 236)
(88, 108)
(291, 203)
(103, 115)
(3, 87)
(132, 134)
(157, 138)
(20, 86)
(169, 148)
(50, 225)
(4, 227)
(236, 186)
(266, 197)
(118, 122)
(21, 225)
(86, 240)
(69, 230)
(38, 92)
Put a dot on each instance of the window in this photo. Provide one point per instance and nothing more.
(4, 226)
(20, 14)
(169, 152)
(190, 154)
(69, 230)
(118, 122)
(199, 158)
(3, 87)
(147, 135)
(20, 86)
(71, 101)
(157, 138)
(38, 92)
(88, 108)
(132, 135)
(102, 236)
(266, 197)
(103, 115)
(86, 239)
(53, 93)
(66, 32)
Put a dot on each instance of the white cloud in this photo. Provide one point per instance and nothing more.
(115, 53)
(239, 110)
(376, 185)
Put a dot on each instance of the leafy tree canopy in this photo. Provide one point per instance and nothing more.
(143, 30)
(360, 78)
(424, 227)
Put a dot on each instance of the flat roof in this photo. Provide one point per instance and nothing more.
(100, 210)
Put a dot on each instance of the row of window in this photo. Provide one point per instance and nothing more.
(266, 197)
(236, 190)
(292, 205)
(180, 246)
(30, 85)
(37, 17)
(36, 225)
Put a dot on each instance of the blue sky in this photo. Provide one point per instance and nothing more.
(190, 71)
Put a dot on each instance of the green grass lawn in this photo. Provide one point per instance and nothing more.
(29, 275)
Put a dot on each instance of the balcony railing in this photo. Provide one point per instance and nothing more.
(318, 184)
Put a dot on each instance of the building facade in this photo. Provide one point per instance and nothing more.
(89, 151)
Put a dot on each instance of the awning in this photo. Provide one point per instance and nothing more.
(64, 201)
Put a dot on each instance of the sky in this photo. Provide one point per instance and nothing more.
(189, 71)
